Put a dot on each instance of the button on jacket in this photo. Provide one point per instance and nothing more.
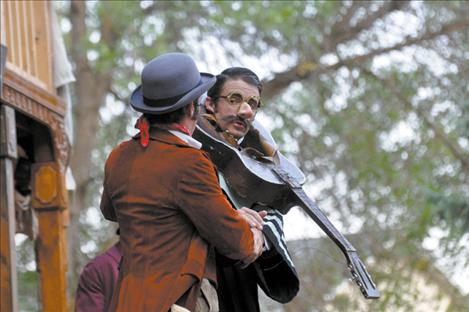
(170, 209)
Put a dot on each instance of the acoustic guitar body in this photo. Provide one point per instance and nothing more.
(250, 177)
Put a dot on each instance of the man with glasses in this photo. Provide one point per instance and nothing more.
(163, 191)
(231, 106)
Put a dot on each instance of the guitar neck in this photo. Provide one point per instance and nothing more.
(359, 274)
(312, 210)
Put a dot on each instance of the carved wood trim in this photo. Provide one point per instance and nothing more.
(48, 186)
(42, 106)
(30, 90)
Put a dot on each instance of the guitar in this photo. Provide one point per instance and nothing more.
(254, 179)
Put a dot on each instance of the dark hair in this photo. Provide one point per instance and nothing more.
(233, 73)
(175, 116)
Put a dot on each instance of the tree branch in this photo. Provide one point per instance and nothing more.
(343, 31)
(437, 130)
(117, 96)
(307, 69)
(344, 22)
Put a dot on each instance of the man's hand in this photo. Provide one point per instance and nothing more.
(258, 238)
(252, 217)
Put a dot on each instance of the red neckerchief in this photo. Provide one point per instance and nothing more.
(181, 128)
(144, 126)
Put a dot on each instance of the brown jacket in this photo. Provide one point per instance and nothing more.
(170, 207)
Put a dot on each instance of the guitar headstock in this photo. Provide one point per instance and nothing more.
(361, 277)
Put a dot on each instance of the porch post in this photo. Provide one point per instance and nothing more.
(8, 279)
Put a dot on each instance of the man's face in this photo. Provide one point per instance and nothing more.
(236, 119)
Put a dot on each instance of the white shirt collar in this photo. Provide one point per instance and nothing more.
(187, 138)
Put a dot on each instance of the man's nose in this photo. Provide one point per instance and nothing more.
(245, 110)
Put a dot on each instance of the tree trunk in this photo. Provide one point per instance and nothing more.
(90, 93)
(86, 121)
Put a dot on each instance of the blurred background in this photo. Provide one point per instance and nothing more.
(369, 98)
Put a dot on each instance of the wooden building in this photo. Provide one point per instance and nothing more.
(32, 121)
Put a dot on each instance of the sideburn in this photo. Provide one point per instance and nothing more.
(195, 112)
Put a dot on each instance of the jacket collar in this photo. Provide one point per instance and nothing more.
(163, 135)
(187, 138)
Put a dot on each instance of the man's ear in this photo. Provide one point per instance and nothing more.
(210, 105)
(189, 110)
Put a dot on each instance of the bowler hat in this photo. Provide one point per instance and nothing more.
(169, 82)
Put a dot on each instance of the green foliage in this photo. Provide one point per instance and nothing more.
(371, 152)
(28, 278)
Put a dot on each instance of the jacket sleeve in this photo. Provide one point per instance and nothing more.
(202, 201)
(276, 272)
(90, 293)
(106, 205)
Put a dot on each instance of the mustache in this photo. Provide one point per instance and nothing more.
(233, 118)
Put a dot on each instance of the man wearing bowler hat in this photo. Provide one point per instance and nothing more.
(163, 191)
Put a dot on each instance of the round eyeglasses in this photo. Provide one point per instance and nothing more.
(235, 98)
